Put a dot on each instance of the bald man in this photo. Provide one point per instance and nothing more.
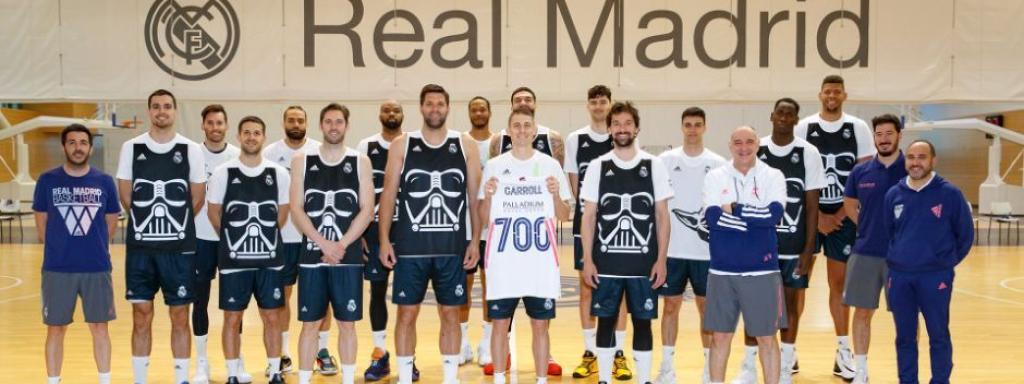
(744, 200)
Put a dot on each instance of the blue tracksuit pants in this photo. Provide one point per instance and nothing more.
(928, 294)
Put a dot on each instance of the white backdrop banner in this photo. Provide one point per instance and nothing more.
(700, 50)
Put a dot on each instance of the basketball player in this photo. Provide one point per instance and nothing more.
(583, 146)
(433, 172)
(335, 185)
(866, 271)
(480, 131)
(800, 164)
(216, 151)
(281, 152)
(548, 140)
(743, 204)
(625, 234)
(843, 141)
(76, 255)
(248, 202)
(932, 231)
(529, 273)
(162, 181)
(688, 255)
(376, 149)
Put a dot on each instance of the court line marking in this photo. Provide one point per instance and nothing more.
(1005, 301)
(19, 298)
(17, 282)
(1005, 283)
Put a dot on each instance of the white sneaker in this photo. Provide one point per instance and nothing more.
(748, 374)
(243, 374)
(467, 354)
(483, 354)
(202, 375)
(861, 378)
(843, 366)
(666, 375)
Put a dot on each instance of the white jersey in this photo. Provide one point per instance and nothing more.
(689, 238)
(204, 230)
(572, 143)
(281, 154)
(522, 257)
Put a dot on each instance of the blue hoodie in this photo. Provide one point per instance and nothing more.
(931, 229)
(744, 241)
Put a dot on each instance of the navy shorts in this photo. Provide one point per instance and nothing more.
(789, 277)
(444, 273)
(641, 299)
(374, 270)
(342, 287)
(479, 261)
(238, 286)
(206, 259)
(683, 271)
(145, 272)
(577, 253)
(290, 272)
(537, 308)
(839, 244)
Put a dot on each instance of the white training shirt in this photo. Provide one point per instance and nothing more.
(686, 209)
(570, 146)
(281, 154)
(865, 137)
(204, 230)
(506, 166)
(814, 171)
(197, 168)
(659, 177)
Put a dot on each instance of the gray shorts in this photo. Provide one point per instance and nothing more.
(865, 278)
(757, 298)
(61, 291)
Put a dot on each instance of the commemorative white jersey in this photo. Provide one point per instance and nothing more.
(522, 257)
(689, 238)
(204, 230)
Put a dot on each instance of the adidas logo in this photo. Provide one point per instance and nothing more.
(280, 159)
(764, 157)
(314, 168)
(417, 149)
(507, 172)
(401, 294)
(304, 309)
(231, 299)
(815, 134)
(494, 307)
(375, 152)
(236, 181)
(373, 270)
(130, 292)
(597, 305)
(585, 145)
(609, 173)
(678, 169)
(142, 156)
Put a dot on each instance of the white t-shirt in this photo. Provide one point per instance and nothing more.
(204, 230)
(196, 170)
(659, 177)
(572, 141)
(484, 147)
(814, 171)
(281, 154)
(506, 166)
(686, 208)
(865, 137)
(219, 179)
(522, 260)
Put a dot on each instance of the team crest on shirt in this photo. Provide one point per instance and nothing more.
(847, 250)
(182, 292)
(643, 171)
(937, 211)
(540, 146)
(347, 168)
(897, 210)
(277, 293)
(707, 169)
(459, 291)
(351, 307)
(269, 180)
(452, 148)
(177, 157)
(846, 133)
(548, 303)
(795, 158)
(649, 304)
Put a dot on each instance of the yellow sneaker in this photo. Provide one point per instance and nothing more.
(587, 367)
(621, 371)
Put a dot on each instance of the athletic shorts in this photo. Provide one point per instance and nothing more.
(865, 279)
(480, 261)
(290, 272)
(757, 298)
(444, 273)
(839, 244)
(536, 308)
(341, 286)
(641, 299)
(172, 272)
(60, 293)
(685, 271)
(577, 253)
(237, 287)
(206, 259)
(789, 277)
(374, 270)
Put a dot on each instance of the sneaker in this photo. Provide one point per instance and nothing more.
(621, 368)
(843, 366)
(785, 377)
(243, 375)
(489, 368)
(861, 378)
(233, 380)
(286, 364)
(325, 363)
(380, 366)
(796, 365)
(276, 379)
(587, 367)
(202, 375)
(415, 372)
(483, 355)
(554, 369)
(666, 375)
(467, 354)
(748, 373)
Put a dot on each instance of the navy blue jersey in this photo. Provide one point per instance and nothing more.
(331, 200)
(433, 214)
(160, 217)
(249, 235)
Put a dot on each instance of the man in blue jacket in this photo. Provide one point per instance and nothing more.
(932, 232)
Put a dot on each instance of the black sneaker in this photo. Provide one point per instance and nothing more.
(286, 364)
(276, 379)
(796, 366)
(415, 372)
(232, 380)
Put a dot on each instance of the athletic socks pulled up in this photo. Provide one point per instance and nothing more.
(181, 370)
(590, 339)
(140, 369)
(305, 376)
(605, 359)
(643, 366)
(348, 373)
(451, 368)
(380, 340)
(404, 369)
(322, 340)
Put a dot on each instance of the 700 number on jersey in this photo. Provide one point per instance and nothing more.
(525, 234)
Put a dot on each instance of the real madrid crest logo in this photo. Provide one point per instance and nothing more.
(347, 168)
(707, 168)
(846, 133)
(643, 171)
(270, 180)
(451, 148)
(795, 158)
(191, 39)
(177, 157)
(540, 145)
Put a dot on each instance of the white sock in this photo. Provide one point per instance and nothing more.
(542, 380)
(200, 347)
(322, 341)
(751, 357)
(643, 365)
(404, 369)
(140, 369)
(284, 343)
(861, 362)
(348, 373)
(843, 341)
(305, 376)
(275, 364)
(499, 377)
(590, 339)
(605, 357)
(104, 378)
(451, 368)
(181, 370)
(788, 351)
(465, 334)
(379, 340)
(56, 380)
(241, 364)
(668, 356)
(232, 365)
(620, 340)
(485, 339)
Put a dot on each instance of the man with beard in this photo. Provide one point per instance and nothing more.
(434, 174)
(248, 202)
(866, 270)
(335, 184)
(843, 141)
(162, 181)
(76, 212)
(625, 237)
(216, 151)
(931, 230)
(376, 148)
(688, 256)
(548, 141)
(480, 131)
(281, 153)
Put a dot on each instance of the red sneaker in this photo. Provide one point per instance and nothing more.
(489, 367)
(553, 368)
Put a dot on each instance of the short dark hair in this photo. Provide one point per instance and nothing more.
(299, 108)
(521, 110)
(623, 107)
(334, 107)
(252, 119)
(787, 100)
(481, 98)
(161, 92)
(931, 147)
(887, 118)
(522, 89)
(431, 88)
(214, 108)
(74, 128)
(694, 111)
(598, 91)
(833, 79)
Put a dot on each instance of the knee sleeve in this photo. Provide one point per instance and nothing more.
(200, 316)
(643, 340)
(606, 331)
(378, 305)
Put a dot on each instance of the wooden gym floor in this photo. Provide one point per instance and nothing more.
(987, 326)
